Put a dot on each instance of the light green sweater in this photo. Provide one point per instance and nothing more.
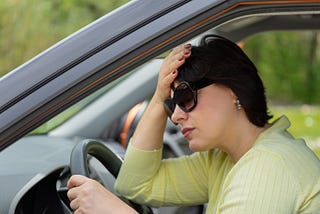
(278, 175)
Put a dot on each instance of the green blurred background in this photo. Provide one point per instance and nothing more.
(289, 62)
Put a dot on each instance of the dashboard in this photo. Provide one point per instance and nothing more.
(35, 172)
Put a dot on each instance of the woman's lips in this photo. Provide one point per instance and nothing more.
(186, 131)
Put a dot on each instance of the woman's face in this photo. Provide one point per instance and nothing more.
(208, 125)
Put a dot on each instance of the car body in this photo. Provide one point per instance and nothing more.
(113, 70)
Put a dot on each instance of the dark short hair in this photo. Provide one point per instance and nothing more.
(224, 62)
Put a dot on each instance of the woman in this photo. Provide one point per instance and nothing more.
(241, 163)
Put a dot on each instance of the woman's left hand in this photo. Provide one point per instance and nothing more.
(88, 196)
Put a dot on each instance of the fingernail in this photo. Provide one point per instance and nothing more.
(187, 46)
(181, 58)
(174, 72)
(187, 51)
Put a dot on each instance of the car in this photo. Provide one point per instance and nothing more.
(99, 80)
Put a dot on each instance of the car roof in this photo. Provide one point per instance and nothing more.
(100, 52)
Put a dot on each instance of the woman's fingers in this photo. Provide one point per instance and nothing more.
(74, 204)
(176, 58)
(76, 180)
(169, 69)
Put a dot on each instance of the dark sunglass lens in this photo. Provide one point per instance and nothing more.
(184, 97)
(169, 106)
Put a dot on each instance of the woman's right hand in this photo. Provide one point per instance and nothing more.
(169, 70)
(89, 196)
(149, 132)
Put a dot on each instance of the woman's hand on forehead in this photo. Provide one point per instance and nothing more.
(169, 69)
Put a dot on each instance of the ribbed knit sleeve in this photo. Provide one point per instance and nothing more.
(147, 179)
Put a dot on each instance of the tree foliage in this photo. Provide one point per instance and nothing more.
(289, 63)
(30, 26)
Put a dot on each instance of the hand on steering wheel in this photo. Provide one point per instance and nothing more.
(79, 165)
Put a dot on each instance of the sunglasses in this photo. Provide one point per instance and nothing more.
(185, 96)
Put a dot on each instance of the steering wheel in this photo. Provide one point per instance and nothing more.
(79, 165)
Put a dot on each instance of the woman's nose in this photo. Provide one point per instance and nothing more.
(178, 114)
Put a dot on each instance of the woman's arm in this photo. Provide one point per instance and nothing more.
(147, 179)
(149, 132)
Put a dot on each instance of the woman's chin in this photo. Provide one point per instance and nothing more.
(196, 146)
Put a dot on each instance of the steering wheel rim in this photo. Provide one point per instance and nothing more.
(78, 160)
(79, 165)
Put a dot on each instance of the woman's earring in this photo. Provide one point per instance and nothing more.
(238, 104)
